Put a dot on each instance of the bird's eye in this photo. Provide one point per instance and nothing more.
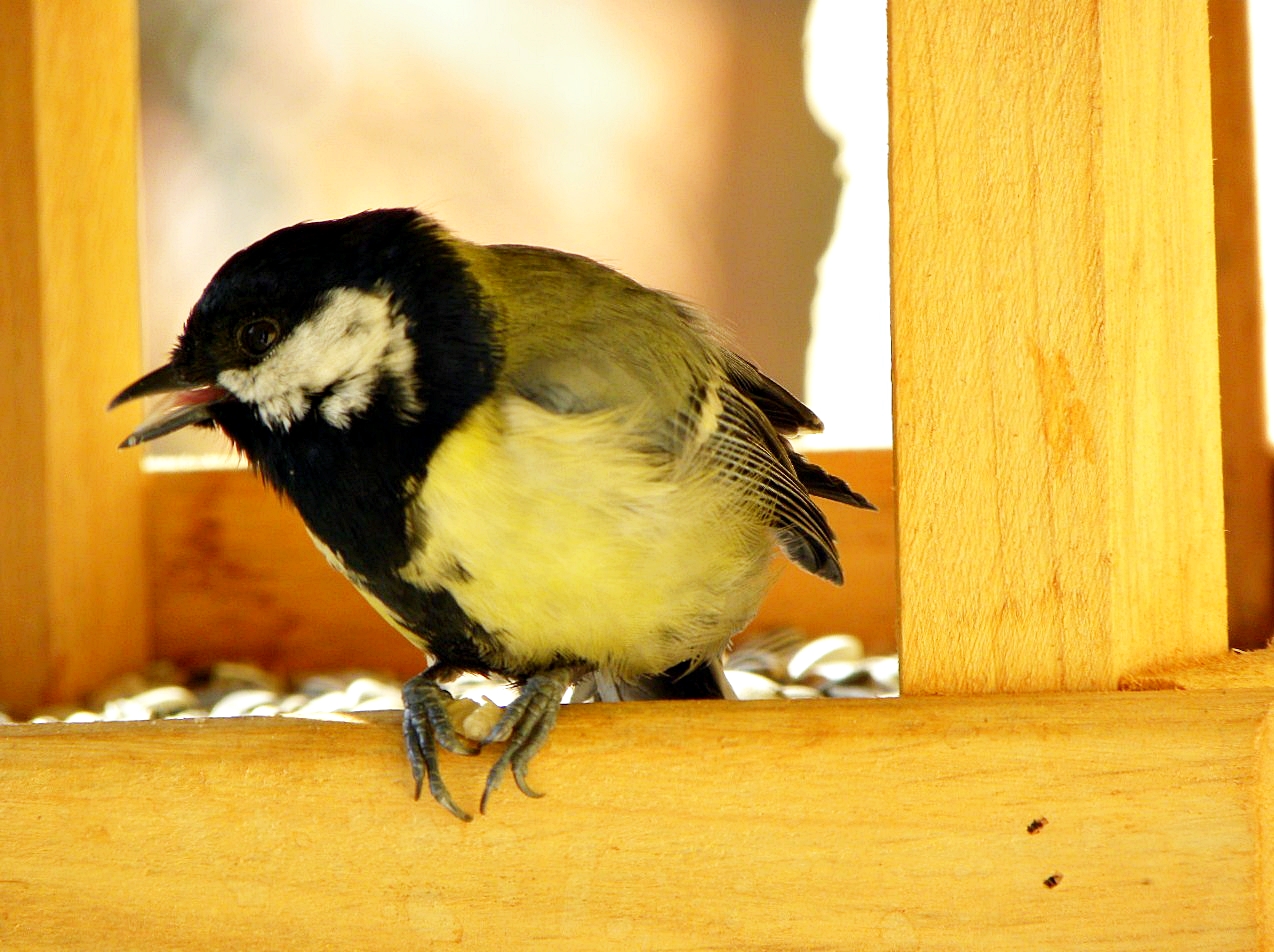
(256, 337)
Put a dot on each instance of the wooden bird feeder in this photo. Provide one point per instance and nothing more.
(1078, 760)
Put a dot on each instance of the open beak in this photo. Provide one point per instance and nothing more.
(183, 403)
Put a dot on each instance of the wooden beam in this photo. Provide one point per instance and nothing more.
(1055, 360)
(1249, 477)
(1124, 821)
(72, 578)
(1232, 671)
(235, 576)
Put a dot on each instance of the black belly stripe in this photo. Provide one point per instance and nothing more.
(433, 615)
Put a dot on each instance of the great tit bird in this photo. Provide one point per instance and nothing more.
(531, 465)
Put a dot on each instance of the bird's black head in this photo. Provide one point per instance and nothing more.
(327, 321)
(332, 350)
(264, 294)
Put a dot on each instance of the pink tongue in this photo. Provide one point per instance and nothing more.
(191, 398)
(172, 403)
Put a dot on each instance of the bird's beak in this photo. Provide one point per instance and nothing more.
(184, 403)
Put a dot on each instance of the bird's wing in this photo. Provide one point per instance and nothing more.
(790, 416)
(750, 446)
(584, 338)
(786, 414)
(578, 336)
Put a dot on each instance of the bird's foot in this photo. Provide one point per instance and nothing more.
(426, 727)
(525, 725)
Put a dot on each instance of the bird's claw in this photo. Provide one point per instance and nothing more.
(525, 725)
(426, 727)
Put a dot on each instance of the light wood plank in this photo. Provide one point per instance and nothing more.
(1249, 478)
(1057, 434)
(1232, 671)
(668, 825)
(235, 576)
(72, 578)
(24, 663)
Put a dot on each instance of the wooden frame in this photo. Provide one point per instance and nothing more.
(1060, 529)
(73, 577)
(229, 559)
(1101, 821)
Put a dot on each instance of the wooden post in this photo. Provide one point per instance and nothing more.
(1055, 360)
(72, 594)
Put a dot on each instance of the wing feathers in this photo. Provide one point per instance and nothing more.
(747, 443)
(786, 413)
(819, 482)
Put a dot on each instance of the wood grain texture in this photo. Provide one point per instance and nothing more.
(1249, 478)
(234, 575)
(1232, 671)
(708, 825)
(1055, 365)
(72, 589)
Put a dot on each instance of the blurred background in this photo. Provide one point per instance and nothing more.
(730, 151)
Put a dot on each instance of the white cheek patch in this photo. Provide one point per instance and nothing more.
(344, 349)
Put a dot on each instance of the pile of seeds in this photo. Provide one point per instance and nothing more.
(780, 664)
(785, 663)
